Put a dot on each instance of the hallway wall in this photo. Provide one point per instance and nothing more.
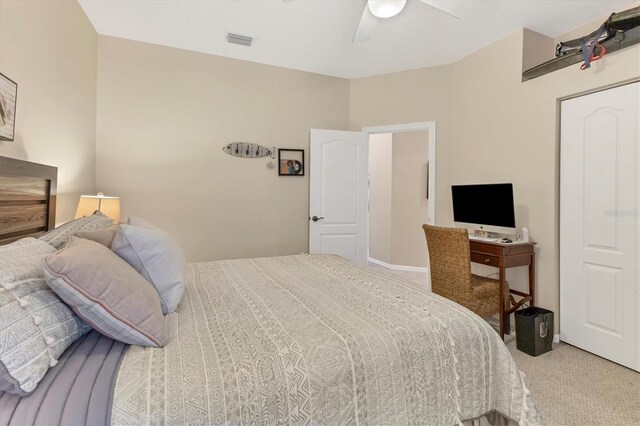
(397, 197)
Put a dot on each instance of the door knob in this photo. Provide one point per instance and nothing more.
(316, 218)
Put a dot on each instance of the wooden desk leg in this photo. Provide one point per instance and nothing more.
(501, 297)
(532, 279)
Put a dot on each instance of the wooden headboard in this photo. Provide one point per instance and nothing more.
(27, 199)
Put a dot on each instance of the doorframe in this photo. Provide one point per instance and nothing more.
(429, 126)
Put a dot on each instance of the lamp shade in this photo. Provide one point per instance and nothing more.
(109, 206)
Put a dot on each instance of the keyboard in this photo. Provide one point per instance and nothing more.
(484, 239)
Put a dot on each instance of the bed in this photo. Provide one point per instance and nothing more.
(305, 339)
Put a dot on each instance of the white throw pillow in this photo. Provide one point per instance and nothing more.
(156, 256)
(35, 326)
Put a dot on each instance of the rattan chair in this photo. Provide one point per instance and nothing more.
(451, 277)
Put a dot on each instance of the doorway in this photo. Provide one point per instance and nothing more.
(339, 190)
(401, 196)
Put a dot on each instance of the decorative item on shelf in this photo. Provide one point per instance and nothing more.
(291, 162)
(620, 31)
(523, 235)
(110, 206)
(248, 150)
(8, 95)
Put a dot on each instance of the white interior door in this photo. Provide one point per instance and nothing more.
(339, 194)
(599, 224)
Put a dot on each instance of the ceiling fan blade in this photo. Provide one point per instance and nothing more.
(366, 26)
(442, 7)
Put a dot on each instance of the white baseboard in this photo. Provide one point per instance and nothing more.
(556, 338)
(398, 267)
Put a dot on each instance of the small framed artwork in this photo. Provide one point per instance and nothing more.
(8, 94)
(291, 162)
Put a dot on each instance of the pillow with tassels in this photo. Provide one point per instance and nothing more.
(35, 325)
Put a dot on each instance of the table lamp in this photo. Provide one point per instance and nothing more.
(109, 206)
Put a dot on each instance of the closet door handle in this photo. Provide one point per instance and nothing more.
(316, 218)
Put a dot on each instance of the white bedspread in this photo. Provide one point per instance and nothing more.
(318, 340)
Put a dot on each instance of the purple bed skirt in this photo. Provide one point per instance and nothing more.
(77, 391)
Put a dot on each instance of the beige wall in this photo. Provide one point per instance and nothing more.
(492, 127)
(536, 49)
(164, 115)
(406, 97)
(380, 196)
(410, 208)
(49, 48)
(397, 197)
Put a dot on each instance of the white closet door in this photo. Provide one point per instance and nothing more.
(599, 224)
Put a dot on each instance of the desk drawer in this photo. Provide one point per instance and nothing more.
(485, 259)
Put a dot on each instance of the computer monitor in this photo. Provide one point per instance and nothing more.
(486, 207)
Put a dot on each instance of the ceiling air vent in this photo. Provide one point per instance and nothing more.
(239, 39)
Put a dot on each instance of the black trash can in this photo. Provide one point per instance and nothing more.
(534, 330)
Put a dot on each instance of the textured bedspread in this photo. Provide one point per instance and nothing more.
(318, 340)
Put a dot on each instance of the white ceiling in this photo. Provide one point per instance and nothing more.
(315, 35)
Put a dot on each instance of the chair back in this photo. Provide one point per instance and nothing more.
(450, 261)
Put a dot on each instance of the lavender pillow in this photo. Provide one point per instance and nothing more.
(156, 256)
(107, 293)
(102, 236)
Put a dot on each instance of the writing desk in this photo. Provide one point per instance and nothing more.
(503, 256)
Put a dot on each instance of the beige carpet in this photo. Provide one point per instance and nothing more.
(574, 387)
(571, 386)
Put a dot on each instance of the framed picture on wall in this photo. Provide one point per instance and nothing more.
(291, 162)
(8, 95)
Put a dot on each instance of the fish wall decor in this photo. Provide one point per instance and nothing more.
(248, 150)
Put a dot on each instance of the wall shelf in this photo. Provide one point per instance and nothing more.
(618, 42)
